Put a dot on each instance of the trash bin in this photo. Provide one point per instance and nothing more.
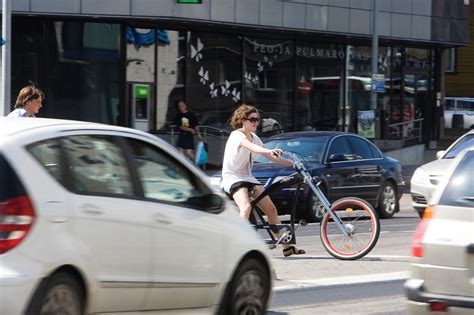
(458, 121)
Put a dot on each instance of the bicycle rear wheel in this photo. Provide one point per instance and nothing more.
(362, 224)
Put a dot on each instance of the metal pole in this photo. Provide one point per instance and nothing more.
(6, 57)
(375, 49)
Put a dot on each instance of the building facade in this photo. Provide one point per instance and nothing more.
(306, 64)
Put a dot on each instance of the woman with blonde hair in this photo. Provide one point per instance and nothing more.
(242, 148)
(28, 102)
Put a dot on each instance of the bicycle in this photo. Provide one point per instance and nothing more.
(349, 228)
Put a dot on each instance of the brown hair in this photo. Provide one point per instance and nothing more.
(240, 114)
(28, 93)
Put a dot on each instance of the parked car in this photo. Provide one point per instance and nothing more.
(443, 246)
(101, 219)
(428, 176)
(346, 164)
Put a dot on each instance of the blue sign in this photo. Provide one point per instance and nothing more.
(2, 41)
(378, 83)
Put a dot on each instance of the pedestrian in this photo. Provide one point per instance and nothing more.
(188, 126)
(28, 102)
(242, 148)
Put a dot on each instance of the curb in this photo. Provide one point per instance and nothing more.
(340, 281)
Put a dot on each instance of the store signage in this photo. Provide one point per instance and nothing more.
(189, 1)
(366, 123)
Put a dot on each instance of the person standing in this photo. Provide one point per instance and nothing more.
(241, 149)
(187, 125)
(28, 102)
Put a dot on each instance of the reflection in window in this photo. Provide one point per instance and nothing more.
(162, 179)
(97, 165)
(319, 71)
(48, 154)
(460, 189)
(269, 78)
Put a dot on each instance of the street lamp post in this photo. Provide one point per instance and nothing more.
(375, 51)
(6, 57)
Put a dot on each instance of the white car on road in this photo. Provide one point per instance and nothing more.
(443, 246)
(104, 219)
(426, 178)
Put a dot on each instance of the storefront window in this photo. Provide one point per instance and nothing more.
(82, 81)
(319, 72)
(269, 81)
(213, 77)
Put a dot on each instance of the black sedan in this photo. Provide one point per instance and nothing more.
(345, 163)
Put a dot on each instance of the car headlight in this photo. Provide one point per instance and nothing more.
(420, 177)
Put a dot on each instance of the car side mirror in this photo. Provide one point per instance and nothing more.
(440, 154)
(336, 158)
(212, 203)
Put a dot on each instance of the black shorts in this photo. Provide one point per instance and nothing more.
(235, 186)
(185, 141)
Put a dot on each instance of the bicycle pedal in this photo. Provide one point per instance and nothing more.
(303, 223)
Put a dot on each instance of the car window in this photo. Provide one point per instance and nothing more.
(465, 142)
(48, 154)
(97, 165)
(361, 148)
(460, 189)
(162, 177)
(311, 149)
(339, 146)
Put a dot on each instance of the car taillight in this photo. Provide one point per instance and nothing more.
(16, 218)
(417, 246)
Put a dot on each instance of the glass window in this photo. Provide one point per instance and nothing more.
(450, 60)
(460, 190)
(319, 72)
(162, 177)
(48, 154)
(311, 149)
(213, 76)
(339, 146)
(97, 165)
(269, 79)
(465, 142)
(361, 148)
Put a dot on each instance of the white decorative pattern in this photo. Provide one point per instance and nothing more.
(213, 92)
(196, 51)
(204, 75)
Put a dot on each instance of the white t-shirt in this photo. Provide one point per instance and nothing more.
(238, 161)
(19, 112)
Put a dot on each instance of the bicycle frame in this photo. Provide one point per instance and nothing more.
(301, 176)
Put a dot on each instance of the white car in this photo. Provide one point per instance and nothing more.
(426, 178)
(443, 246)
(104, 219)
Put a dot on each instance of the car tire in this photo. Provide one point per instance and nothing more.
(248, 291)
(388, 201)
(311, 214)
(58, 294)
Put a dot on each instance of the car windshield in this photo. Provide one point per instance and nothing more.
(465, 142)
(311, 149)
(460, 189)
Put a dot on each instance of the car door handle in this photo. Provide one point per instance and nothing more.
(161, 219)
(91, 209)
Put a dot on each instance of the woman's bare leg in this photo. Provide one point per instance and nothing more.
(241, 198)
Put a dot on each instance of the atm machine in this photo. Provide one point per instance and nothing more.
(141, 103)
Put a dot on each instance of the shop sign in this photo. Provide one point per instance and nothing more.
(366, 123)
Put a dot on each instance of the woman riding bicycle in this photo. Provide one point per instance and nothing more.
(242, 148)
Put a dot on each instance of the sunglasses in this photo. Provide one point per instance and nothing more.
(253, 119)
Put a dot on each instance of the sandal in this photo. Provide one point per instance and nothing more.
(292, 251)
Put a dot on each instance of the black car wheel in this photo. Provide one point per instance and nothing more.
(59, 294)
(314, 208)
(388, 201)
(248, 291)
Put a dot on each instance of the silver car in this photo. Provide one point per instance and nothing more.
(427, 177)
(443, 246)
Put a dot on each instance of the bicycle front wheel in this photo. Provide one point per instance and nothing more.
(362, 225)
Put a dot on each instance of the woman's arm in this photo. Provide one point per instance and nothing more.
(273, 155)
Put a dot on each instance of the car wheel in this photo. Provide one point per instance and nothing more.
(249, 290)
(388, 201)
(59, 294)
(314, 208)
